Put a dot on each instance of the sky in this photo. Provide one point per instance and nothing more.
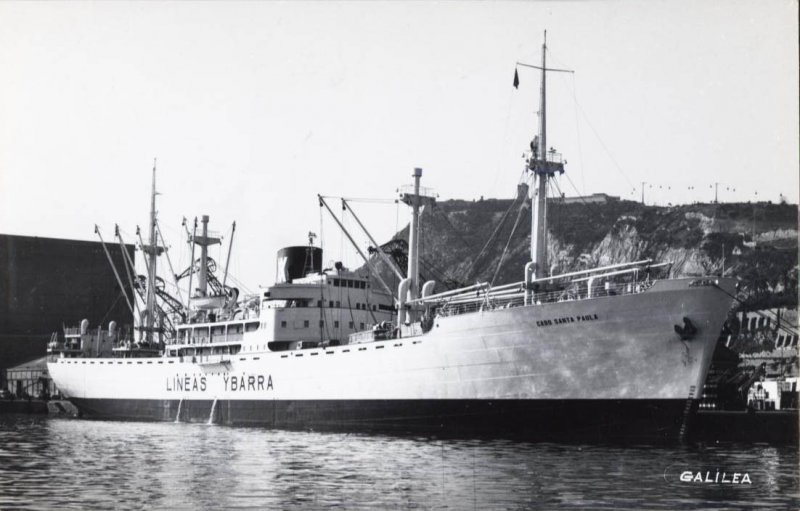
(253, 108)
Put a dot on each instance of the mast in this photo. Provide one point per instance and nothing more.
(544, 164)
(413, 235)
(192, 236)
(206, 239)
(539, 210)
(152, 250)
(416, 197)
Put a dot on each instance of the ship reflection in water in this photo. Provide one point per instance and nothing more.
(62, 463)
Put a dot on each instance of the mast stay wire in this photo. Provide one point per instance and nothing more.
(578, 133)
(602, 144)
(341, 242)
(452, 227)
(239, 284)
(323, 327)
(491, 237)
(574, 91)
(591, 126)
(431, 269)
(589, 205)
(522, 207)
(593, 208)
(396, 228)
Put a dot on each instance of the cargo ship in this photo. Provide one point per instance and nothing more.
(613, 353)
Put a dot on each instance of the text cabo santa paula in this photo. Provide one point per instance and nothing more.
(198, 383)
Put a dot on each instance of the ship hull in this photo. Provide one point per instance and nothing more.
(658, 420)
(609, 367)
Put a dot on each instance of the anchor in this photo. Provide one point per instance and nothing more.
(687, 331)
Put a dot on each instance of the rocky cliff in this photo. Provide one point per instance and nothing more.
(489, 240)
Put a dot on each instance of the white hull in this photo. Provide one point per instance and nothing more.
(620, 347)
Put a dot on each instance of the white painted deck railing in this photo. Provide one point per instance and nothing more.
(516, 298)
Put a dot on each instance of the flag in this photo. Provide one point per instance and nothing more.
(516, 79)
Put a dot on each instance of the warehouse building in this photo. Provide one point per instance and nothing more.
(46, 283)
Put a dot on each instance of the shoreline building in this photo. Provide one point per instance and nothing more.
(47, 282)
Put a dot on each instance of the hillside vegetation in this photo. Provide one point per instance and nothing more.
(756, 243)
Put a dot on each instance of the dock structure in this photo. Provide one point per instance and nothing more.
(46, 282)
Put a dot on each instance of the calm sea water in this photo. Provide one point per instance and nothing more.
(53, 463)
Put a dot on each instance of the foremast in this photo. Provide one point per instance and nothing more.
(152, 250)
(543, 165)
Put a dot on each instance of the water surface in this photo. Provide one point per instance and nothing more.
(77, 464)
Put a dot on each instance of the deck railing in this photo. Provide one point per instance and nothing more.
(423, 191)
(516, 298)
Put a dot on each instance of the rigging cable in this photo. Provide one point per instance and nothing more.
(586, 118)
(589, 205)
(122, 291)
(491, 238)
(578, 133)
(396, 280)
(431, 269)
(322, 323)
(574, 91)
(452, 227)
(603, 145)
(350, 308)
(522, 207)
(169, 261)
(369, 306)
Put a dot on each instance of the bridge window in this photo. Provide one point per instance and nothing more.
(283, 324)
(335, 324)
(305, 324)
